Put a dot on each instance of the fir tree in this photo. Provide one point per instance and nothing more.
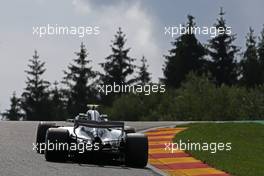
(185, 56)
(14, 113)
(58, 108)
(251, 68)
(35, 96)
(223, 66)
(79, 90)
(118, 66)
(143, 74)
(261, 53)
(261, 46)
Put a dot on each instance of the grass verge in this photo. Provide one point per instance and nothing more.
(246, 158)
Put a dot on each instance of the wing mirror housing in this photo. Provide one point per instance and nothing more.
(104, 117)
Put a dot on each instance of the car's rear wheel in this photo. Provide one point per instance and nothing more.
(57, 144)
(41, 134)
(136, 150)
(129, 129)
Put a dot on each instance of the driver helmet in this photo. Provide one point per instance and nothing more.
(93, 115)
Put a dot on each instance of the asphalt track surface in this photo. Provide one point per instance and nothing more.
(17, 157)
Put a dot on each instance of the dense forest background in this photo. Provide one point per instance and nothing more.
(204, 81)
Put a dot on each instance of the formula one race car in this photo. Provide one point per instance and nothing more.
(92, 135)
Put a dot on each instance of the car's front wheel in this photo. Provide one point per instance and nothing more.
(129, 129)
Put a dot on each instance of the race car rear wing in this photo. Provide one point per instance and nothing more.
(99, 124)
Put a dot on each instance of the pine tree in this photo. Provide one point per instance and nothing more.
(58, 108)
(251, 68)
(185, 56)
(261, 53)
(35, 96)
(223, 66)
(79, 90)
(143, 74)
(14, 113)
(118, 66)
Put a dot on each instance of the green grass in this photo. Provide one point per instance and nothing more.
(246, 158)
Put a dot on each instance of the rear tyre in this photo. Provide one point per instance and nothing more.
(41, 134)
(129, 129)
(136, 150)
(57, 143)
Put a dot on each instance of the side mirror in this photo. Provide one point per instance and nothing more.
(104, 117)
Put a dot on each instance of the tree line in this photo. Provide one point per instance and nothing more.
(219, 60)
(42, 100)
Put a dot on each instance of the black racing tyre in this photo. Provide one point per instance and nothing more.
(41, 134)
(57, 145)
(136, 150)
(129, 129)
